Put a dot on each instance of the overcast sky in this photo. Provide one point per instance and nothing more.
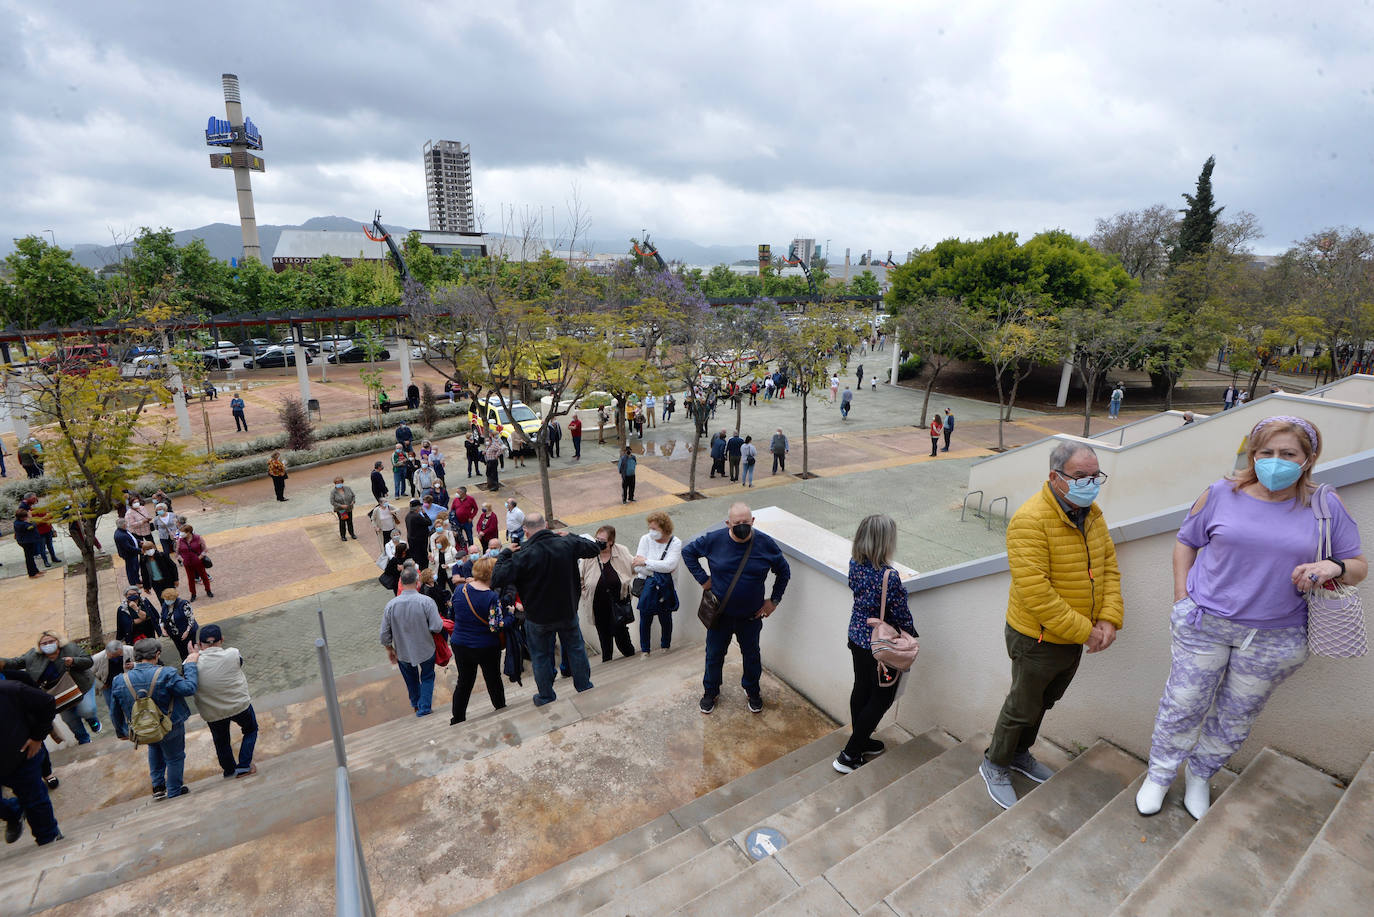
(883, 126)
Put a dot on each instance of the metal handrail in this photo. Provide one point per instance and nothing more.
(977, 513)
(352, 890)
(992, 511)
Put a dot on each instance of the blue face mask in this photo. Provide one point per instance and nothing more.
(1277, 474)
(1082, 493)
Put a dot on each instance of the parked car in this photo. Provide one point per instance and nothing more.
(275, 356)
(227, 349)
(492, 417)
(76, 359)
(213, 360)
(332, 342)
(254, 346)
(143, 365)
(311, 348)
(355, 354)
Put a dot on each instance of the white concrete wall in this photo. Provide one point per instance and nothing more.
(1322, 715)
(1155, 424)
(1357, 389)
(1174, 467)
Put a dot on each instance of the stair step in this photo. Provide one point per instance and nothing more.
(816, 898)
(765, 881)
(1103, 861)
(1336, 874)
(625, 877)
(867, 875)
(975, 872)
(813, 853)
(558, 882)
(777, 796)
(113, 847)
(708, 868)
(1237, 857)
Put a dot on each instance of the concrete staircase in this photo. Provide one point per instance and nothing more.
(914, 832)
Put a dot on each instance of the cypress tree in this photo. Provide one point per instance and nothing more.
(1199, 219)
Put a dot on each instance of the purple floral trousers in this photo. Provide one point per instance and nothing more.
(1220, 679)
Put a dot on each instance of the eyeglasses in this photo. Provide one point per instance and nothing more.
(1099, 479)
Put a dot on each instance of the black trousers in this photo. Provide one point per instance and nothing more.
(779, 461)
(734, 467)
(240, 423)
(868, 701)
(346, 524)
(279, 485)
(1040, 674)
(612, 636)
(492, 482)
(469, 660)
(934, 443)
(627, 487)
(948, 433)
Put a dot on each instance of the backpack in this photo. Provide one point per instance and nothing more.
(147, 723)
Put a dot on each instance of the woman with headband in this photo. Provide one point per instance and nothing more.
(1243, 560)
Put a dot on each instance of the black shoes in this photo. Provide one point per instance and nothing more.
(13, 828)
(708, 703)
(847, 765)
(873, 748)
(755, 703)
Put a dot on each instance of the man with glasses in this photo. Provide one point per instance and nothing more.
(1065, 596)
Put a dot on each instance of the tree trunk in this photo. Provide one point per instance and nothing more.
(97, 627)
(1001, 418)
(739, 412)
(806, 455)
(1090, 385)
(925, 402)
(696, 451)
(542, 452)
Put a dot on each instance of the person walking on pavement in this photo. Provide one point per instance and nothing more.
(649, 404)
(859, 374)
(949, 428)
(168, 690)
(341, 500)
(236, 408)
(575, 431)
(937, 428)
(544, 571)
(556, 438)
(385, 520)
(749, 456)
(834, 388)
(733, 450)
(26, 718)
(718, 448)
(1065, 596)
(27, 537)
(1114, 404)
(276, 469)
(400, 463)
(222, 698)
(739, 559)
(846, 403)
(626, 467)
(191, 547)
(409, 623)
(778, 447)
(601, 420)
(378, 481)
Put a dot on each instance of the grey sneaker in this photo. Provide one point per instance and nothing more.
(998, 779)
(1025, 763)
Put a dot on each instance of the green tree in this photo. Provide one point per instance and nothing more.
(1338, 269)
(41, 283)
(1103, 336)
(931, 328)
(805, 347)
(1199, 219)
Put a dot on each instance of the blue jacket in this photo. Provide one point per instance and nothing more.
(723, 554)
(659, 594)
(169, 694)
(718, 448)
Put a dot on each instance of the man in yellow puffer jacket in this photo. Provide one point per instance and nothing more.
(1065, 596)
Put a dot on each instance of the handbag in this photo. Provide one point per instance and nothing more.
(637, 584)
(623, 612)
(892, 648)
(206, 561)
(1335, 613)
(708, 612)
(65, 692)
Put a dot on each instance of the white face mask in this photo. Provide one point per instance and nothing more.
(655, 535)
(47, 648)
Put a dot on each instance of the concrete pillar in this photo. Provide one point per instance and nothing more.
(243, 185)
(176, 385)
(896, 341)
(403, 345)
(15, 410)
(1064, 377)
(302, 371)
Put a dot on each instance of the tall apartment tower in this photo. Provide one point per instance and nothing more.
(448, 186)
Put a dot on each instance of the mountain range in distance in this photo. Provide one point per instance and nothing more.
(225, 241)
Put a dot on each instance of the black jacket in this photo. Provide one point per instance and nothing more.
(379, 488)
(417, 533)
(125, 628)
(25, 713)
(546, 573)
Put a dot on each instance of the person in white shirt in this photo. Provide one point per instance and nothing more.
(656, 560)
(649, 408)
(515, 522)
(222, 698)
(384, 522)
(834, 388)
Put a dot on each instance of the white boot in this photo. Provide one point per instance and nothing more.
(1150, 798)
(1197, 793)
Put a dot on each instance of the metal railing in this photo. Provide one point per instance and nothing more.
(978, 512)
(352, 891)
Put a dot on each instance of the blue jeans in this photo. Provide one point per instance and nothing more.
(109, 705)
(466, 529)
(224, 750)
(398, 481)
(1113, 408)
(83, 710)
(540, 638)
(167, 761)
(747, 474)
(419, 681)
(745, 630)
(646, 621)
(31, 799)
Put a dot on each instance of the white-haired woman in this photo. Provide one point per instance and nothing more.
(874, 691)
(1244, 559)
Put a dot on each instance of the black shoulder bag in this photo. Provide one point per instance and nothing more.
(708, 612)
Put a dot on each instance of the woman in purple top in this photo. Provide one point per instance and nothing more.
(1243, 561)
(874, 689)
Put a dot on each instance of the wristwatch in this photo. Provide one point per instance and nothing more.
(1339, 563)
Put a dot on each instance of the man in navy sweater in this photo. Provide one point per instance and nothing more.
(742, 616)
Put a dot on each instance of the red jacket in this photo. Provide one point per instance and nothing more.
(486, 528)
(464, 508)
(937, 426)
(575, 427)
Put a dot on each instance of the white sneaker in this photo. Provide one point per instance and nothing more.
(1197, 793)
(1150, 798)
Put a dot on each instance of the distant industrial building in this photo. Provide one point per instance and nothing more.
(298, 248)
(448, 186)
(805, 249)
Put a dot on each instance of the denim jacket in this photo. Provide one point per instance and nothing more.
(169, 694)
